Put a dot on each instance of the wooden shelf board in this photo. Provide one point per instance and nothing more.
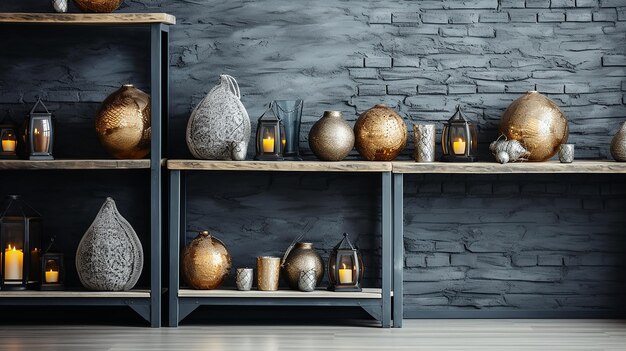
(510, 168)
(367, 293)
(73, 164)
(87, 18)
(75, 294)
(279, 166)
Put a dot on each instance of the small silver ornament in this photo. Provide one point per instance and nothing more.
(60, 5)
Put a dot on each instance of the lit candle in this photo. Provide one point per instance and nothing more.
(52, 276)
(41, 141)
(268, 145)
(13, 263)
(8, 145)
(345, 275)
(458, 147)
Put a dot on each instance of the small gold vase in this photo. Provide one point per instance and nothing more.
(302, 257)
(331, 138)
(268, 272)
(103, 6)
(123, 123)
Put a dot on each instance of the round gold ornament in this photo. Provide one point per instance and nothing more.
(331, 138)
(205, 262)
(98, 5)
(123, 123)
(618, 144)
(536, 122)
(380, 134)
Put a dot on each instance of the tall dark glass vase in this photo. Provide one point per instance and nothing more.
(290, 113)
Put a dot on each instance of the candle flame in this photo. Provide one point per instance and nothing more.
(51, 271)
(460, 140)
(36, 131)
(344, 266)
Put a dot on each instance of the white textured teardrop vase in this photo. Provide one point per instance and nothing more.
(109, 256)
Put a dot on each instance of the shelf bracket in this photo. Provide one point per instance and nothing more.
(142, 310)
(374, 311)
(186, 309)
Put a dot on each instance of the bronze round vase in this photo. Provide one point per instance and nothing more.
(205, 262)
(98, 5)
(301, 258)
(380, 134)
(123, 123)
(331, 138)
(536, 122)
(618, 144)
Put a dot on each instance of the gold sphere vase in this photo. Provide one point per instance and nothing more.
(205, 262)
(123, 123)
(331, 138)
(103, 6)
(380, 134)
(538, 123)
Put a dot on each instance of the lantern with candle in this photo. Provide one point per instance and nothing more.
(345, 267)
(8, 138)
(20, 240)
(459, 139)
(270, 137)
(52, 271)
(38, 133)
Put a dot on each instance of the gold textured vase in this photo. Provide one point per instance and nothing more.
(618, 144)
(380, 134)
(301, 258)
(98, 5)
(123, 123)
(536, 122)
(331, 138)
(205, 262)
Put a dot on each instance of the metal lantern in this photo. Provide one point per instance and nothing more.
(8, 144)
(38, 133)
(270, 129)
(345, 267)
(52, 271)
(459, 139)
(20, 240)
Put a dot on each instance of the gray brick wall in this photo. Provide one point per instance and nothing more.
(472, 243)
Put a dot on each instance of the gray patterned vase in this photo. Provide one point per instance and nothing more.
(109, 256)
(218, 122)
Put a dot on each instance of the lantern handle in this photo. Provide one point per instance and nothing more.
(39, 103)
(52, 239)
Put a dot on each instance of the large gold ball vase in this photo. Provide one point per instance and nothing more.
(123, 123)
(98, 5)
(538, 123)
(206, 262)
(331, 138)
(380, 134)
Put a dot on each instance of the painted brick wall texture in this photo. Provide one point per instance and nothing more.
(537, 243)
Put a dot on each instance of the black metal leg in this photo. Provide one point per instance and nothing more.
(386, 249)
(174, 237)
(398, 249)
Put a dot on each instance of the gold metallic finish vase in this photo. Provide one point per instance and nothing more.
(537, 123)
(205, 262)
(618, 144)
(104, 6)
(331, 138)
(302, 257)
(123, 123)
(380, 134)
(268, 273)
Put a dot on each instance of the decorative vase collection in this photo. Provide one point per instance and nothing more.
(109, 256)
(123, 123)
(206, 263)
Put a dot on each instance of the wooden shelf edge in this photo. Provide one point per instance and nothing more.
(368, 293)
(280, 166)
(75, 294)
(73, 164)
(582, 166)
(87, 18)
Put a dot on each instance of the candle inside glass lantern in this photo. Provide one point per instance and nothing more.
(13, 263)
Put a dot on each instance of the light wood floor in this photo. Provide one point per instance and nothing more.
(549, 335)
